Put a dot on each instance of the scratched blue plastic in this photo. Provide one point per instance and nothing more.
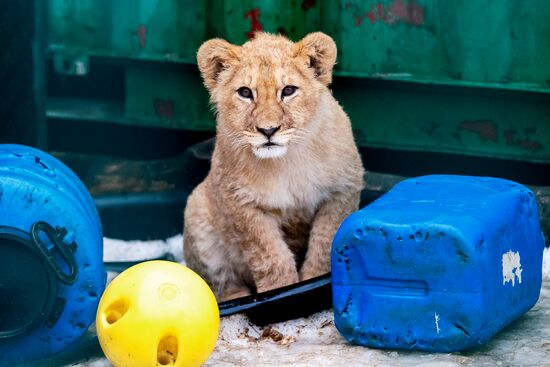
(34, 186)
(422, 267)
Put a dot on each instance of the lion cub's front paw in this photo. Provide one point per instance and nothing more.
(234, 295)
(277, 280)
(311, 270)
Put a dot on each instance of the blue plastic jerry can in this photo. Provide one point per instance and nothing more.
(439, 263)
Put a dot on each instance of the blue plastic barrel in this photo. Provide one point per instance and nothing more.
(51, 268)
(439, 263)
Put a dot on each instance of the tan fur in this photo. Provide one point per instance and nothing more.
(264, 217)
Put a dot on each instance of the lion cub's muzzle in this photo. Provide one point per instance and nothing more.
(270, 142)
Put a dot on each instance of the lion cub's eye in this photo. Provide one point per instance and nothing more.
(245, 92)
(288, 91)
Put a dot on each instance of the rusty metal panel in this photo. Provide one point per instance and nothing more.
(237, 20)
(167, 98)
(142, 29)
(496, 43)
(454, 56)
(408, 116)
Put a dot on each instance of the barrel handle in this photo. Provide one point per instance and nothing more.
(56, 235)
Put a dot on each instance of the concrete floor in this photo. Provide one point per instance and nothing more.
(314, 341)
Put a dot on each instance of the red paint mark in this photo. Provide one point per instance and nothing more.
(380, 12)
(255, 25)
(487, 130)
(371, 15)
(397, 12)
(358, 20)
(164, 108)
(307, 4)
(530, 145)
(411, 13)
(141, 32)
(510, 136)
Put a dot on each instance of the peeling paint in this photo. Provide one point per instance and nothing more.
(380, 11)
(397, 12)
(411, 13)
(527, 144)
(164, 108)
(371, 16)
(255, 25)
(141, 33)
(487, 130)
(436, 317)
(511, 268)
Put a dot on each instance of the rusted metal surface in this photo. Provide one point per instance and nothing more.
(143, 29)
(413, 74)
(490, 123)
(475, 43)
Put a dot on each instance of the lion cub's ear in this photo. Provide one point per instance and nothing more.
(321, 51)
(213, 57)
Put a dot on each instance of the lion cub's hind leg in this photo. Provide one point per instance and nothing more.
(206, 254)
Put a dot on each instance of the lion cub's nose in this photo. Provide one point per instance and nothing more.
(269, 131)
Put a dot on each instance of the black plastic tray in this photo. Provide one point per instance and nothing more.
(286, 303)
(162, 215)
(291, 302)
(159, 215)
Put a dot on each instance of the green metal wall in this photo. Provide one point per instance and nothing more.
(469, 77)
(496, 43)
(141, 29)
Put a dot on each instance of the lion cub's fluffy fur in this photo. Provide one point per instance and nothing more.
(265, 215)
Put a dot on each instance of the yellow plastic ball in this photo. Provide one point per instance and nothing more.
(158, 313)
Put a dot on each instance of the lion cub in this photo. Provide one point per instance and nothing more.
(285, 169)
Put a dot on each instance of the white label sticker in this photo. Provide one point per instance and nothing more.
(511, 268)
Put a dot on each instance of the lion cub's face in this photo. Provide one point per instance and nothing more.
(266, 92)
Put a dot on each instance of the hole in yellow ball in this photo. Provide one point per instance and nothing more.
(167, 351)
(115, 311)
